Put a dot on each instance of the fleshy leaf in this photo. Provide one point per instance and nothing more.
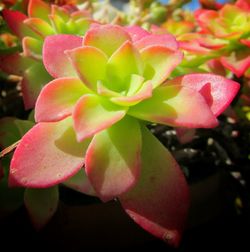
(41, 204)
(165, 40)
(90, 64)
(159, 63)
(9, 133)
(47, 155)
(108, 38)
(159, 202)
(121, 65)
(14, 63)
(176, 106)
(32, 48)
(15, 20)
(144, 93)
(80, 182)
(55, 60)
(217, 90)
(39, 9)
(39, 26)
(237, 62)
(136, 32)
(113, 159)
(57, 99)
(31, 85)
(93, 114)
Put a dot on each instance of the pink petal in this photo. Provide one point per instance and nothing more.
(58, 98)
(136, 32)
(31, 85)
(238, 61)
(144, 93)
(80, 183)
(38, 9)
(176, 106)
(159, 63)
(159, 201)
(113, 161)
(15, 20)
(217, 90)
(47, 155)
(107, 38)
(55, 60)
(121, 65)
(93, 114)
(41, 205)
(166, 40)
(90, 64)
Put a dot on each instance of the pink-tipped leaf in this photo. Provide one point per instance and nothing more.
(93, 114)
(107, 38)
(113, 159)
(58, 98)
(159, 201)
(217, 90)
(55, 60)
(90, 64)
(47, 155)
(159, 63)
(176, 106)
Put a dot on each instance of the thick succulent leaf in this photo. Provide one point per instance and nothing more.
(59, 25)
(90, 64)
(243, 4)
(166, 40)
(57, 99)
(39, 26)
(38, 9)
(14, 63)
(15, 20)
(93, 114)
(159, 63)
(121, 65)
(47, 155)
(113, 159)
(135, 83)
(108, 38)
(103, 90)
(31, 85)
(144, 92)
(55, 60)
(41, 204)
(11, 199)
(237, 62)
(32, 48)
(159, 201)
(61, 12)
(185, 135)
(9, 133)
(217, 90)
(136, 32)
(80, 183)
(176, 106)
(245, 42)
